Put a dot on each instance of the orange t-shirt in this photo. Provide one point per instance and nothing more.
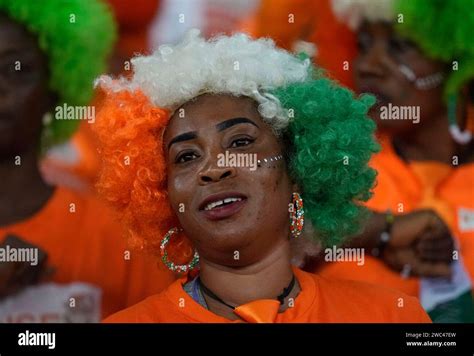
(401, 188)
(321, 300)
(91, 262)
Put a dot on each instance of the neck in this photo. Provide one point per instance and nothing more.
(265, 279)
(23, 191)
(430, 142)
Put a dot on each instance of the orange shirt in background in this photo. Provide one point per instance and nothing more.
(321, 300)
(404, 187)
(92, 264)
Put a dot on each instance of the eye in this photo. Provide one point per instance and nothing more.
(241, 142)
(24, 71)
(186, 157)
(8, 69)
(363, 41)
(395, 45)
(399, 45)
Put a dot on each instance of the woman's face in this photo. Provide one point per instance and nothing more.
(381, 52)
(24, 92)
(242, 230)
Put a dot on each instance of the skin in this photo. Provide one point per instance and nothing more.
(25, 98)
(421, 238)
(259, 232)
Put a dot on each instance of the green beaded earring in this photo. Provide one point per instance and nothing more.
(171, 265)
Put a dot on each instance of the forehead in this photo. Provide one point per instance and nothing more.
(15, 35)
(208, 110)
(378, 28)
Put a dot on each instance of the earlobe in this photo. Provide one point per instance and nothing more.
(295, 188)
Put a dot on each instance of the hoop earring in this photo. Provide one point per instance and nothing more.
(171, 265)
(461, 137)
(46, 132)
(296, 216)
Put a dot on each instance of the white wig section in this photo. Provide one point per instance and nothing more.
(235, 65)
(354, 12)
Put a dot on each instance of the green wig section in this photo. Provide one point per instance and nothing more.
(444, 30)
(331, 142)
(77, 36)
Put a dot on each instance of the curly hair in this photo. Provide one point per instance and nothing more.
(234, 64)
(330, 141)
(443, 30)
(76, 36)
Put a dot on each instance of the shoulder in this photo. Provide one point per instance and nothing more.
(91, 213)
(158, 308)
(355, 301)
(146, 311)
(80, 202)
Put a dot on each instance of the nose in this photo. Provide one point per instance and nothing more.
(214, 173)
(373, 62)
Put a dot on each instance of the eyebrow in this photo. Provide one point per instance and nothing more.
(220, 127)
(235, 121)
(183, 137)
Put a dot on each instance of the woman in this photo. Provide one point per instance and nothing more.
(243, 134)
(417, 58)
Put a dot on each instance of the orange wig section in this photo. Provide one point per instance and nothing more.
(133, 174)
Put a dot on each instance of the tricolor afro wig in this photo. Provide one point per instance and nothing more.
(76, 36)
(329, 135)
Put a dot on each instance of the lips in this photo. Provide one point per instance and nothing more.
(222, 205)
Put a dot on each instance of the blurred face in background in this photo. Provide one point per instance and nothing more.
(24, 93)
(377, 71)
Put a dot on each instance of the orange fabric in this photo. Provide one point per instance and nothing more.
(313, 21)
(87, 246)
(259, 311)
(402, 188)
(134, 14)
(320, 300)
(286, 21)
(430, 176)
(336, 44)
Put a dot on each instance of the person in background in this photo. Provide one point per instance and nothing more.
(75, 163)
(417, 58)
(62, 258)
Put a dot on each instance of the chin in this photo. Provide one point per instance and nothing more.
(227, 238)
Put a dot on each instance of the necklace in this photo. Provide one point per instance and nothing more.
(211, 294)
